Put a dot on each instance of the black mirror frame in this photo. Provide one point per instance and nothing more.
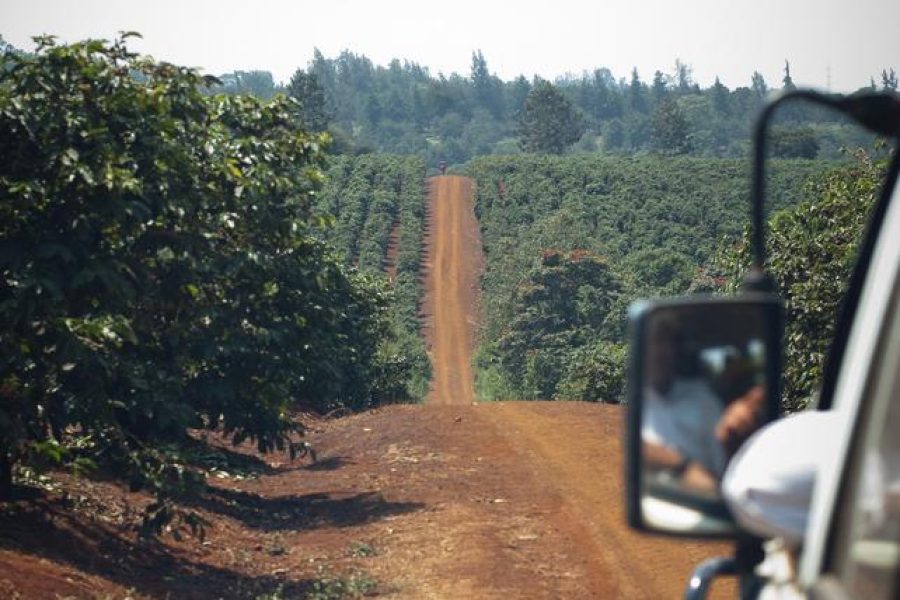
(772, 307)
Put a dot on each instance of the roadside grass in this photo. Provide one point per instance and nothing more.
(328, 587)
(360, 549)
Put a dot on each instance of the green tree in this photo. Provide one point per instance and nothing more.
(888, 80)
(562, 304)
(372, 110)
(671, 132)
(793, 142)
(488, 89)
(813, 248)
(614, 135)
(637, 93)
(398, 108)
(595, 373)
(684, 77)
(607, 101)
(657, 219)
(518, 93)
(661, 270)
(255, 83)
(721, 99)
(660, 87)
(787, 82)
(314, 110)
(549, 123)
(759, 86)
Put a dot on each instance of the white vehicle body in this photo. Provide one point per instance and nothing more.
(868, 358)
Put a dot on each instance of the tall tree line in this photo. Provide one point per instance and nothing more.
(404, 108)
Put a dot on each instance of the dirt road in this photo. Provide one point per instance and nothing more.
(503, 500)
(453, 263)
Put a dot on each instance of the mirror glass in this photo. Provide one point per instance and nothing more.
(702, 390)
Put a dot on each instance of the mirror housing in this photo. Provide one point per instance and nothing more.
(704, 373)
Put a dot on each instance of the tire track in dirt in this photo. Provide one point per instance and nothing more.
(502, 500)
(576, 449)
(452, 267)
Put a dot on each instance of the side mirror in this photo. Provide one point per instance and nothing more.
(704, 375)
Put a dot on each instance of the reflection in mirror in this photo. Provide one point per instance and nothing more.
(703, 392)
(670, 516)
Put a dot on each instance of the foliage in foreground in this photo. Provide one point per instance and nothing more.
(812, 249)
(159, 270)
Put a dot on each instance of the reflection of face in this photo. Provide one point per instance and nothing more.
(661, 356)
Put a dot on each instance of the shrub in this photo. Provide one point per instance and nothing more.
(158, 266)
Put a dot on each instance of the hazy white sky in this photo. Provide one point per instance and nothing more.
(851, 40)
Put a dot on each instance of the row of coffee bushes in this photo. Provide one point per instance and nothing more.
(644, 225)
(373, 201)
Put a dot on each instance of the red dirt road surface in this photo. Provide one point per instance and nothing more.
(453, 263)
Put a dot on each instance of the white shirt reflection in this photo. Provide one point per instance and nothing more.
(684, 419)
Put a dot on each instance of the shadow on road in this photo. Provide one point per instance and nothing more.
(332, 463)
(146, 567)
(309, 511)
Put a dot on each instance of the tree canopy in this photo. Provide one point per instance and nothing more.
(549, 122)
(570, 241)
(403, 108)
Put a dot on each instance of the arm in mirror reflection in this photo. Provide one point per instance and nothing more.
(741, 418)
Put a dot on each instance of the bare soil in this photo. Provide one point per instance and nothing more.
(453, 262)
(452, 499)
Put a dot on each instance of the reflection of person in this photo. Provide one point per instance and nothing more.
(681, 412)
